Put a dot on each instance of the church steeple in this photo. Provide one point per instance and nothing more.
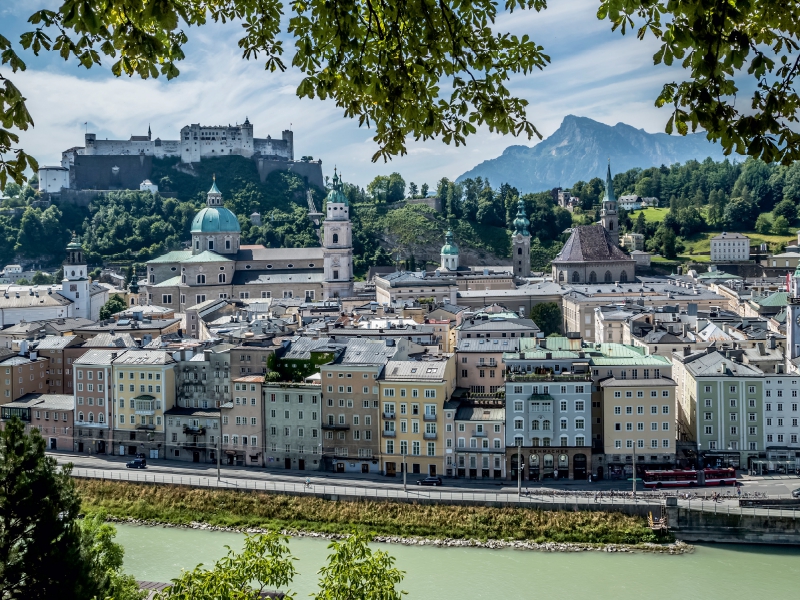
(214, 196)
(608, 214)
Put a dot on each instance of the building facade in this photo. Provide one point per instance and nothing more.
(730, 247)
(293, 434)
(94, 395)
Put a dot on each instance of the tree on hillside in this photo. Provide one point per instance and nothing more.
(780, 226)
(413, 190)
(763, 224)
(740, 213)
(547, 315)
(423, 191)
(114, 305)
(785, 208)
(387, 188)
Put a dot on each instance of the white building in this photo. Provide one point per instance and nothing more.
(730, 247)
(52, 179)
(196, 142)
(781, 414)
(629, 202)
(148, 186)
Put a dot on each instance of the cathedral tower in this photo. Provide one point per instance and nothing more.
(449, 253)
(75, 284)
(793, 322)
(521, 243)
(337, 244)
(608, 214)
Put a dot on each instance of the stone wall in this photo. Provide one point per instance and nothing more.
(720, 526)
(311, 171)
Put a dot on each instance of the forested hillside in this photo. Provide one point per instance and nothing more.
(697, 199)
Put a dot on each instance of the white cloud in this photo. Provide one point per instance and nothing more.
(594, 73)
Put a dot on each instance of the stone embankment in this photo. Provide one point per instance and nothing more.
(673, 548)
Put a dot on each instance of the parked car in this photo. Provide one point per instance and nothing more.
(137, 463)
(796, 493)
(430, 481)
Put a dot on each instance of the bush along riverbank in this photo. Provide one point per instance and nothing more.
(302, 515)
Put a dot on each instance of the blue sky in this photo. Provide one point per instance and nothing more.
(594, 73)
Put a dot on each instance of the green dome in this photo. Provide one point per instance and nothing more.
(215, 219)
(449, 245)
(75, 244)
(521, 223)
(336, 195)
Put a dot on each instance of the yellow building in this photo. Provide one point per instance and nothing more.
(144, 388)
(639, 425)
(412, 396)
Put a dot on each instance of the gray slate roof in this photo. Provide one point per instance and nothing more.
(590, 243)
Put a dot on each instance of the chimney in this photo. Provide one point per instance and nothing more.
(771, 342)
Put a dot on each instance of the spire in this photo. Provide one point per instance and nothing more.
(521, 223)
(608, 196)
(214, 196)
(149, 135)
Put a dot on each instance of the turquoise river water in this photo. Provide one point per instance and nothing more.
(710, 573)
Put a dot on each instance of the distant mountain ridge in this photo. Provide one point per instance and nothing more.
(579, 150)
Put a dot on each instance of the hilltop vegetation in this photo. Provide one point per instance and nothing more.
(697, 200)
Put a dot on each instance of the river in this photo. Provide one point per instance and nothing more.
(710, 573)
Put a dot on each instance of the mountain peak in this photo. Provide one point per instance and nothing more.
(579, 150)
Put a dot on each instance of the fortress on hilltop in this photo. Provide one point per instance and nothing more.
(103, 164)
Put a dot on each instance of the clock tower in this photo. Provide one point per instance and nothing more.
(337, 241)
(793, 322)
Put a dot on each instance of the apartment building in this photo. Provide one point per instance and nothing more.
(250, 360)
(413, 394)
(781, 416)
(20, 375)
(243, 423)
(721, 407)
(351, 415)
(475, 439)
(192, 434)
(640, 426)
(479, 364)
(203, 376)
(51, 414)
(730, 247)
(53, 349)
(144, 383)
(496, 325)
(293, 426)
(93, 385)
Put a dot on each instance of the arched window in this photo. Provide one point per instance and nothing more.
(518, 424)
(201, 278)
(519, 250)
(607, 277)
(91, 417)
(80, 417)
(611, 225)
(535, 425)
(563, 424)
(221, 277)
(546, 425)
(561, 276)
(335, 238)
(101, 418)
(623, 277)
(575, 277)
(592, 277)
(152, 278)
(534, 443)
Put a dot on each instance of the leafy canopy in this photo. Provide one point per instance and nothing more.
(727, 47)
(381, 62)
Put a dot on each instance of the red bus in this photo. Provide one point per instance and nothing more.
(686, 478)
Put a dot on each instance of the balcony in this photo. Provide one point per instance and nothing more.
(335, 426)
(388, 415)
(146, 427)
(479, 434)
(430, 436)
(145, 405)
(190, 430)
(427, 417)
(389, 433)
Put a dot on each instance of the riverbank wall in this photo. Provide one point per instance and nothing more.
(695, 526)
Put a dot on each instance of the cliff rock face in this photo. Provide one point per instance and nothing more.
(580, 149)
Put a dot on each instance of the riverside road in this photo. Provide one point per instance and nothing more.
(109, 467)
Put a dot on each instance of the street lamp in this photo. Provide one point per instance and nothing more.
(405, 470)
(519, 468)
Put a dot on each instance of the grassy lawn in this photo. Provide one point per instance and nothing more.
(651, 215)
(699, 258)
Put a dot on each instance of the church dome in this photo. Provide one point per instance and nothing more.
(215, 219)
(449, 245)
(335, 195)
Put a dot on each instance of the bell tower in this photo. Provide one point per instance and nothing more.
(521, 243)
(608, 214)
(337, 243)
(75, 285)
